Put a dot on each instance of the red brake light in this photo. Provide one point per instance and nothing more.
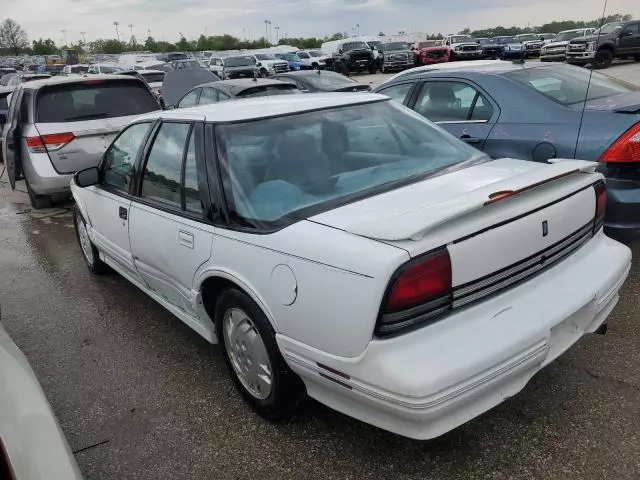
(420, 282)
(92, 82)
(51, 142)
(624, 149)
(601, 205)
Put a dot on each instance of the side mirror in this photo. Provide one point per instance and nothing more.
(87, 177)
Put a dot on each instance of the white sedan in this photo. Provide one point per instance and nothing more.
(342, 246)
(32, 446)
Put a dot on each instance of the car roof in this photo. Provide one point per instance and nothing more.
(449, 66)
(36, 84)
(235, 86)
(267, 107)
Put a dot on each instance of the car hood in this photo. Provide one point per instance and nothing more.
(178, 82)
(557, 44)
(408, 213)
(464, 44)
(591, 38)
(393, 52)
(433, 49)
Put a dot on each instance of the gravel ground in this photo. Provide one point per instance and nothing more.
(140, 396)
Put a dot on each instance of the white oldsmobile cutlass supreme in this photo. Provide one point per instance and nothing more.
(342, 246)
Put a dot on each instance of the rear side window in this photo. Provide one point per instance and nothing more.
(4, 104)
(93, 100)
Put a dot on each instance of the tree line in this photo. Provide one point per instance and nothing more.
(14, 40)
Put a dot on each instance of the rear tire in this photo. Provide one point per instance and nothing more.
(37, 201)
(88, 249)
(264, 73)
(345, 70)
(253, 358)
(603, 59)
(372, 68)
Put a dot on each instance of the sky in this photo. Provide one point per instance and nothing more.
(166, 19)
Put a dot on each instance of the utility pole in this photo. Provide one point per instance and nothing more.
(117, 31)
(64, 34)
(277, 35)
(131, 29)
(358, 26)
(267, 27)
(84, 40)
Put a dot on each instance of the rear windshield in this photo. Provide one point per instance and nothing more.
(265, 56)
(315, 54)
(93, 100)
(390, 47)
(79, 69)
(328, 79)
(109, 69)
(282, 169)
(526, 38)
(269, 90)
(568, 85)
(153, 77)
(239, 61)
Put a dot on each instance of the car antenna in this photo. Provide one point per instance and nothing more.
(586, 94)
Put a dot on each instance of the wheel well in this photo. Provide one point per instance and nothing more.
(211, 289)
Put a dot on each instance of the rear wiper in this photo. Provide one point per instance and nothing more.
(87, 116)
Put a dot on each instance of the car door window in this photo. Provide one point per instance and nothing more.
(121, 156)
(209, 95)
(192, 202)
(451, 102)
(162, 171)
(631, 30)
(397, 93)
(190, 99)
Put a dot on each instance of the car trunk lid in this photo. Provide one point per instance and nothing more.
(490, 216)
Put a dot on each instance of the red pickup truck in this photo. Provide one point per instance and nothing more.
(430, 52)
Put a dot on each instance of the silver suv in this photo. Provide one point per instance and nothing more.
(58, 126)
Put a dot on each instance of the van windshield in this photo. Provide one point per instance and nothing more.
(280, 170)
(93, 100)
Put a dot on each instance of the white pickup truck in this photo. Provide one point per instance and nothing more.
(462, 47)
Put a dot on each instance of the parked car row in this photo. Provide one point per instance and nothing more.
(435, 242)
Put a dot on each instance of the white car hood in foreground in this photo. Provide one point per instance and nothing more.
(409, 213)
(35, 445)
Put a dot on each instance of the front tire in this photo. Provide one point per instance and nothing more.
(253, 358)
(88, 249)
(603, 59)
(264, 73)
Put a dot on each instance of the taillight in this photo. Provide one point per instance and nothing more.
(624, 149)
(48, 143)
(601, 205)
(418, 291)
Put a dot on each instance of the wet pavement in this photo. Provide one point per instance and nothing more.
(141, 396)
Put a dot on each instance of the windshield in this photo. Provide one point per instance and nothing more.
(526, 38)
(189, 64)
(354, 46)
(328, 79)
(461, 39)
(239, 62)
(153, 77)
(484, 41)
(328, 157)
(568, 85)
(303, 55)
(566, 36)
(290, 57)
(264, 56)
(108, 69)
(504, 40)
(314, 53)
(611, 28)
(376, 44)
(79, 69)
(390, 47)
(434, 43)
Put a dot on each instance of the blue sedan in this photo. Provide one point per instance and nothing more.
(537, 112)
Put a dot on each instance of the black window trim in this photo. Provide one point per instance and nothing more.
(495, 114)
(116, 191)
(199, 89)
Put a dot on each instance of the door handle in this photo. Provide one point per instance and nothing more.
(185, 239)
(122, 213)
(470, 140)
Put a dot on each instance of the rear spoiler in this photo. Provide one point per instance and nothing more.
(628, 109)
(416, 222)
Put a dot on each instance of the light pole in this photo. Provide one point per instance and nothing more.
(64, 34)
(267, 31)
(358, 27)
(84, 40)
(131, 29)
(117, 31)
(277, 35)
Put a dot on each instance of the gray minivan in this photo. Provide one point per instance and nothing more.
(58, 126)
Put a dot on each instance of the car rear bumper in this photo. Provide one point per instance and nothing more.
(42, 177)
(623, 204)
(429, 381)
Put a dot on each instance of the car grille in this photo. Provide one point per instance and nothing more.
(556, 50)
(469, 48)
(437, 54)
(360, 56)
(577, 47)
(534, 46)
(522, 270)
(281, 67)
(399, 57)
